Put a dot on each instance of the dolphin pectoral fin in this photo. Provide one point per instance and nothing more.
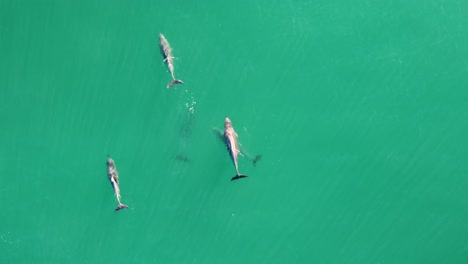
(115, 185)
(219, 134)
(120, 206)
(168, 57)
(257, 158)
(238, 176)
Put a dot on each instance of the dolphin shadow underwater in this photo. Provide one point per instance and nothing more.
(229, 138)
(185, 135)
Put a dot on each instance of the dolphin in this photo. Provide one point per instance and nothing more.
(168, 58)
(230, 137)
(114, 179)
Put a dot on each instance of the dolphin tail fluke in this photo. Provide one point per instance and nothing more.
(120, 206)
(257, 158)
(174, 82)
(238, 176)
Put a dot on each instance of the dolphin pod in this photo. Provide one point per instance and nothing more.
(228, 136)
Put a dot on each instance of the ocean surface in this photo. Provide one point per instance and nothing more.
(358, 108)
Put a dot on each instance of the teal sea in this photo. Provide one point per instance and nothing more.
(358, 108)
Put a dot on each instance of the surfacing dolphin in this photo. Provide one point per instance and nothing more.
(168, 58)
(230, 139)
(114, 179)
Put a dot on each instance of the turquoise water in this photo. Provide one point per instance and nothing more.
(359, 110)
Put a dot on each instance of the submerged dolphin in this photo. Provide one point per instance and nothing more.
(230, 138)
(168, 58)
(114, 179)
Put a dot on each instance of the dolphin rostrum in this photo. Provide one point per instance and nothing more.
(168, 58)
(114, 179)
(230, 138)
